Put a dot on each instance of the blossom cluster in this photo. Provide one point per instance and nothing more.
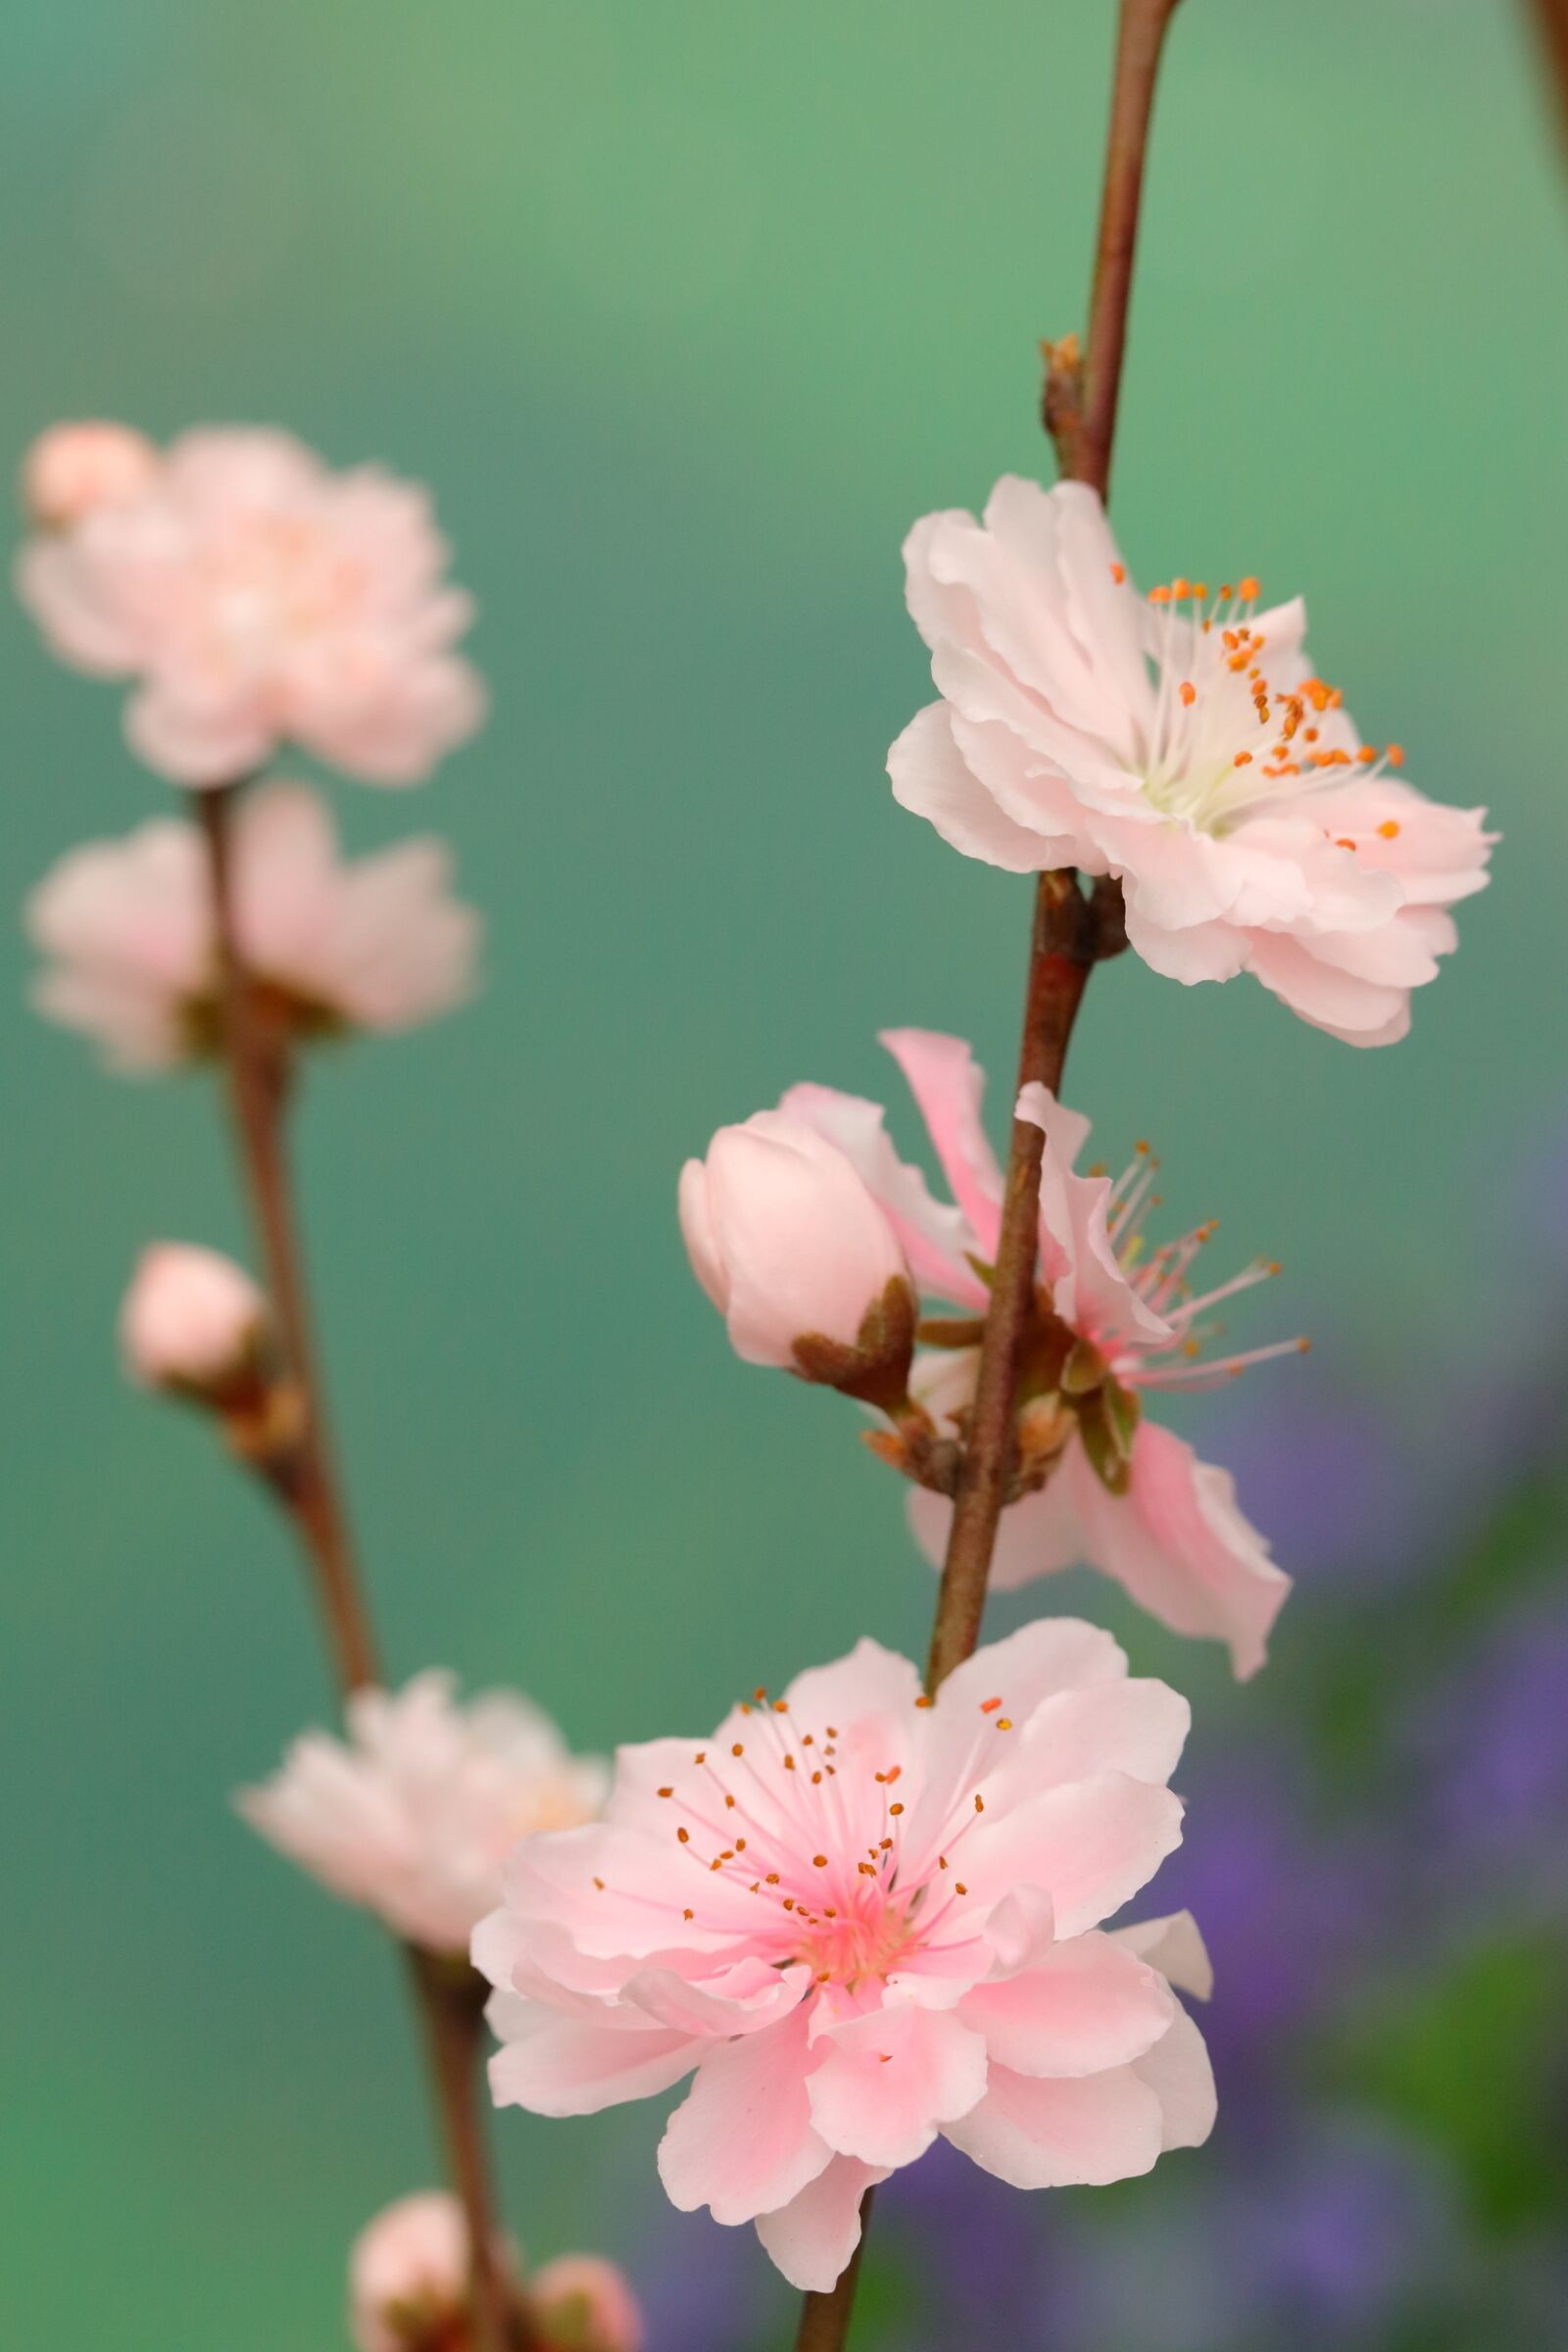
(869, 1912)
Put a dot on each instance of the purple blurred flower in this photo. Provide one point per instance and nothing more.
(1491, 1744)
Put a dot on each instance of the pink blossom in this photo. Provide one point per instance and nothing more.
(866, 1918)
(191, 1318)
(412, 1813)
(408, 2274)
(790, 1244)
(1125, 1495)
(581, 2303)
(258, 599)
(375, 943)
(1183, 744)
(72, 469)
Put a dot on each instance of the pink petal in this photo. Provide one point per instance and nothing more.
(936, 1238)
(1044, 2132)
(948, 1086)
(1178, 2071)
(812, 2238)
(1089, 1845)
(1089, 2005)
(890, 2077)
(1175, 1947)
(558, 2064)
(931, 779)
(1179, 1543)
(742, 2143)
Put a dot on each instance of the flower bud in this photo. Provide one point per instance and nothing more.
(408, 2275)
(72, 469)
(794, 1251)
(581, 2303)
(192, 1322)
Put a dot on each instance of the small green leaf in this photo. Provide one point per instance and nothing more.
(1084, 1369)
(1105, 1456)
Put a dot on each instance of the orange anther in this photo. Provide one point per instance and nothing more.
(1118, 572)
(1189, 693)
(1160, 596)
(1366, 755)
(1248, 588)
(989, 1706)
(1390, 828)
(1395, 755)
(1180, 588)
(1242, 760)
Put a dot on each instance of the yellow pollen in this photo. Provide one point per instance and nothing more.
(1003, 1723)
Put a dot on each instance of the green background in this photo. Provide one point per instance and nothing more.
(686, 308)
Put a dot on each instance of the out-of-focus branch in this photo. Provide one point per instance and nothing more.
(1552, 28)
(305, 1480)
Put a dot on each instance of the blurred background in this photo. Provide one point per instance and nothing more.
(687, 310)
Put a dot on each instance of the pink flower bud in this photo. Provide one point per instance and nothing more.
(581, 2303)
(191, 1319)
(72, 469)
(408, 2274)
(788, 1241)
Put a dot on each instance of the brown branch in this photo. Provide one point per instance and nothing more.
(257, 1069)
(1065, 941)
(1061, 952)
(451, 2012)
(1551, 28)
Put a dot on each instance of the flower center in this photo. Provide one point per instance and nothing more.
(1224, 739)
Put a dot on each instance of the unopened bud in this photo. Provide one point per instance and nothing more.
(72, 469)
(581, 2303)
(408, 2275)
(192, 1322)
(798, 1256)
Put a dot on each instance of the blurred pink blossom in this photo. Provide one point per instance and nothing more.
(408, 2274)
(72, 469)
(191, 1318)
(412, 1814)
(786, 1239)
(581, 2303)
(1174, 1536)
(375, 943)
(257, 599)
(867, 1918)
(1184, 744)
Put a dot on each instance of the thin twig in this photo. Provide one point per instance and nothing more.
(258, 1082)
(1065, 941)
(450, 2009)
